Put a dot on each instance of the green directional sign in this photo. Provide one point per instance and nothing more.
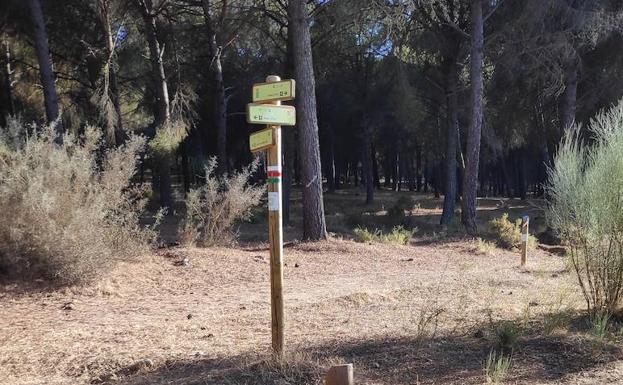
(271, 115)
(268, 92)
(261, 140)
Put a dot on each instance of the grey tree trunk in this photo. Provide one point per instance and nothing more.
(220, 101)
(163, 114)
(449, 199)
(314, 226)
(470, 179)
(45, 62)
(8, 79)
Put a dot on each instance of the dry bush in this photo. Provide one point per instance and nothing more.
(213, 208)
(70, 215)
(508, 234)
(586, 209)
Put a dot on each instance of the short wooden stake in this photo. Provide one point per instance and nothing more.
(524, 239)
(275, 236)
(340, 375)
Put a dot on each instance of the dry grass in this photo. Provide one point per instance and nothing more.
(403, 315)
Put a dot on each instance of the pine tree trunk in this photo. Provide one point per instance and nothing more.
(314, 226)
(45, 62)
(367, 170)
(220, 101)
(450, 195)
(163, 114)
(470, 179)
(8, 79)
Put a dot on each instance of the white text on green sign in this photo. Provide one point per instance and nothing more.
(270, 114)
(267, 92)
(261, 140)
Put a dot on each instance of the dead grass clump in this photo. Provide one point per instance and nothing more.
(294, 368)
(73, 209)
(213, 208)
(508, 234)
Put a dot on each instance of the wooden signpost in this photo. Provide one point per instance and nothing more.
(524, 240)
(274, 115)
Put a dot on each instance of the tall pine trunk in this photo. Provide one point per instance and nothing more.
(163, 114)
(45, 62)
(314, 226)
(8, 79)
(366, 163)
(218, 87)
(451, 187)
(470, 179)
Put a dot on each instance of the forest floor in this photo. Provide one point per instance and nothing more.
(426, 313)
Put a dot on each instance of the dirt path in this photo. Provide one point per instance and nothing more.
(402, 313)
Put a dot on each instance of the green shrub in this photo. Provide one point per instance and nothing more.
(73, 210)
(586, 209)
(508, 234)
(398, 235)
(364, 235)
(213, 208)
(496, 368)
(482, 247)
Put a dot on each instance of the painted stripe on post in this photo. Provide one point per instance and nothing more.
(274, 180)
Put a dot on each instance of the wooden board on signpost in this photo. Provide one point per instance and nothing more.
(268, 92)
(261, 140)
(269, 114)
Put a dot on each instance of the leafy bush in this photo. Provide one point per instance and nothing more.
(508, 234)
(213, 208)
(586, 209)
(73, 210)
(399, 235)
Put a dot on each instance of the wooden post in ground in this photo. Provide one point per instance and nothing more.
(340, 375)
(275, 235)
(524, 239)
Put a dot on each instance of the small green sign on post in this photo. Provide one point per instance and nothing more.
(271, 114)
(268, 92)
(261, 140)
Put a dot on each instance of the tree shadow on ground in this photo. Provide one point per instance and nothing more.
(397, 361)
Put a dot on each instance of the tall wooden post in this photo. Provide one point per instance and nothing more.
(524, 239)
(275, 235)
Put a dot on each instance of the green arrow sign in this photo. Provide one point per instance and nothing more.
(271, 115)
(267, 92)
(261, 140)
